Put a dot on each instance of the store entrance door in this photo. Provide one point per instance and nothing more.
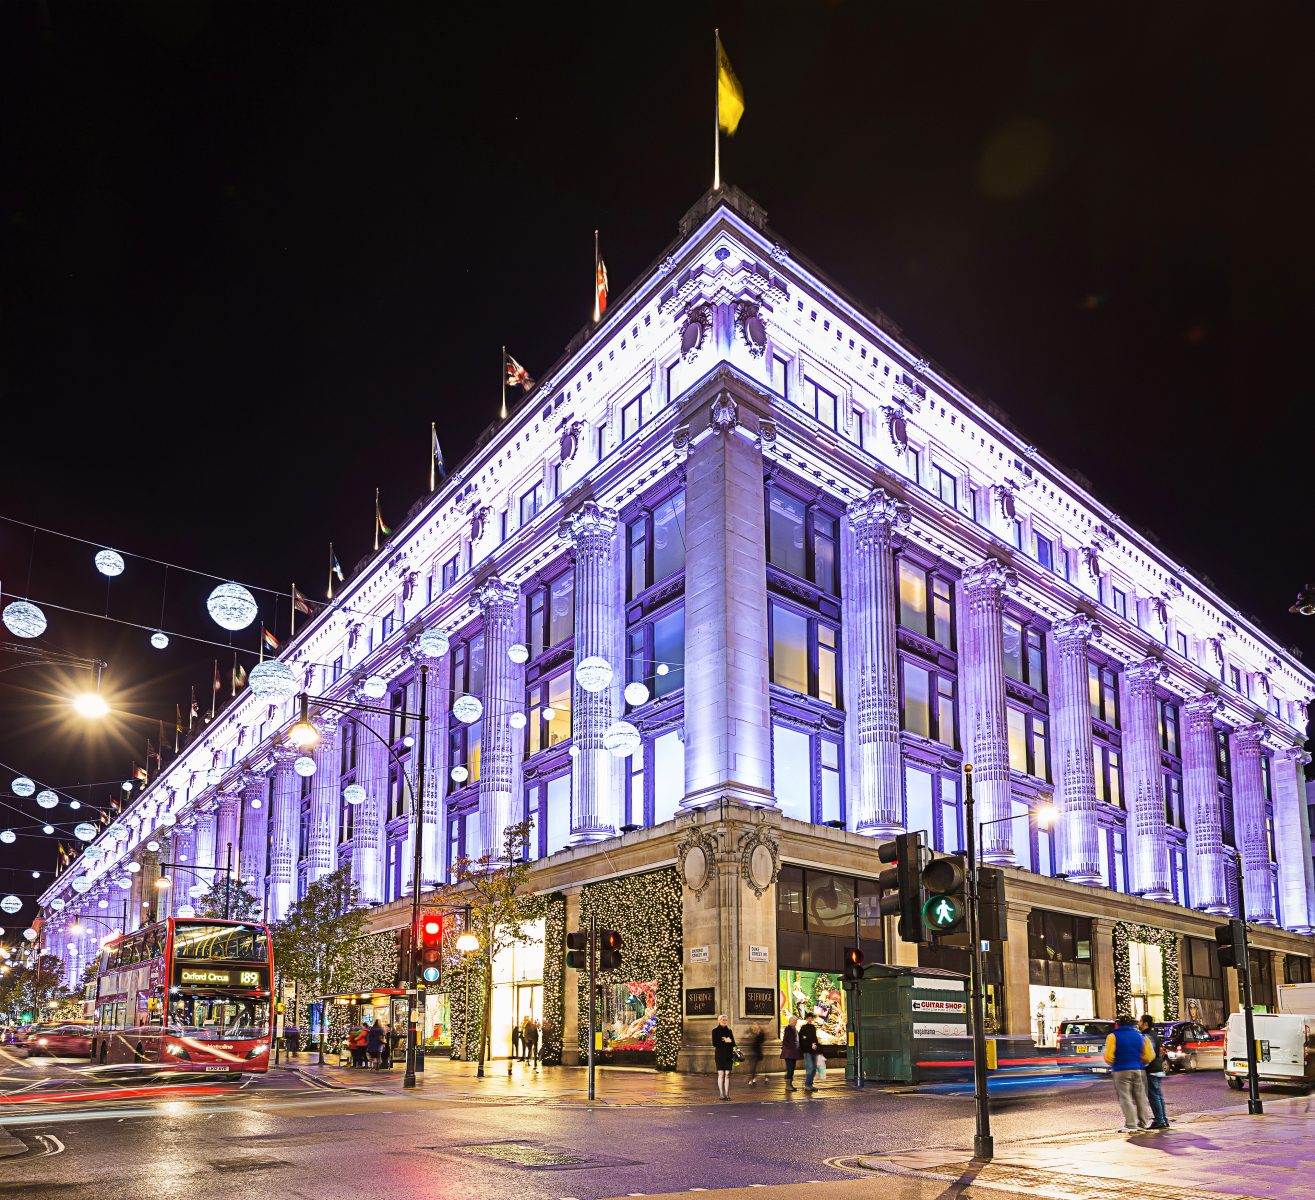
(1146, 971)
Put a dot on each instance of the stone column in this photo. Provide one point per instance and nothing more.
(1292, 837)
(1017, 972)
(228, 816)
(499, 772)
(728, 718)
(1249, 823)
(373, 774)
(982, 703)
(182, 876)
(1102, 966)
(438, 702)
(876, 796)
(591, 531)
(1143, 786)
(205, 847)
(1071, 753)
(325, 797)
(285, 823)
(255, 818)
(1206, 855)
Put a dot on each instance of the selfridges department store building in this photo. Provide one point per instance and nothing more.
(823, 578)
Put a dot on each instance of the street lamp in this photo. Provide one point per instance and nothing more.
(90, 704)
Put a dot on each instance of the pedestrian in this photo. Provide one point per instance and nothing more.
(790, 1051)
(757, 1036)
(1155, 1073)
(292, 1040)
(530, 1040)
(375, 1040)
(810, 1049)
(1127, 1051)
(723, 1049)
(516, 1041)
(357, 1043)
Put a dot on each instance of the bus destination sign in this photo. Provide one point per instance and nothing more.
(229, 977)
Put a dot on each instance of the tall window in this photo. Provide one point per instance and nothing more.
(1168, 712)
(1025, 654)
(1044, 550)
(946, 485)
(1109, 774)
(655, 780)
(828, 408)
(1119, 601)
(1027, 743)
(550, 614)
(656, 652)
(805, 653)
(531, 502)
(807, 776)
(1103, 692)
(548, 712)
(656, 544)
(931, 804)
(928, 702)
(926, 603)
(449, 577)
(803, 540)
(464, 741)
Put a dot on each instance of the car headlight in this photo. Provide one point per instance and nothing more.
(257, 1050)
(41, 1041)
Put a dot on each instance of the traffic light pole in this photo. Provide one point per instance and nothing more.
(1254, 1104)
(417, 870)
(983, 1143)
(856, 1009)
(593, 996)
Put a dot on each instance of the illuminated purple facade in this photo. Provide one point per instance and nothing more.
(836, 578)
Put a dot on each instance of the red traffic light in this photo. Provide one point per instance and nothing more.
(432, 927)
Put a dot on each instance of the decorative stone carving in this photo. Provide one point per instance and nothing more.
(760, 857)
(680, 442)
(479, 516)
(695, 332)
(751, 327)
(724, 413)
(767, 436)
(897, 428)
(696, 857)
(569, 441)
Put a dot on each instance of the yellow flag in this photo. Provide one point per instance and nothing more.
(730, 96)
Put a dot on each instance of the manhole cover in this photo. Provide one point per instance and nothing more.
(538, 1158)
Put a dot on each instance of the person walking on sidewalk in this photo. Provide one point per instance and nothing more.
(790, 1051)
(356, 1044)
(757, 1036)
(1155, 1073)
(530, 1040)
(516, 1041)
(292, 1040)
(810, 1049)
(723, 1049)
(1127, 1051)
(375, 1040)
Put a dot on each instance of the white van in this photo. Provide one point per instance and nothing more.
(1286, 1049)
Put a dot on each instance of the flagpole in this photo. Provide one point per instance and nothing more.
(597, 315)
(716, 110)
(214, 690)
(376, 519)
(329, 593)
(293, 634)
(232, 679)
(433, 437)
(262, 637)
(503, 373)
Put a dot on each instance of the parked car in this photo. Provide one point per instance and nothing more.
(1084, 1042)
(1190, 1046)
(71, 1040)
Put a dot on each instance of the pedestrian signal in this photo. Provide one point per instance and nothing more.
(904, 880)
(853, 963)
(609, 949)
(1231, 944)
(945, 908)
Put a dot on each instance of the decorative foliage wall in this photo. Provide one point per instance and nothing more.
(1124, 933)
(647, 911)
(374, 962)
(554, 982)
(465, 1035)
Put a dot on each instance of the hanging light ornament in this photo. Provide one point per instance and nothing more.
(24, 619)
(517, 720)
(81, 885)
(11, 904)
(30, 934)
(432, 643)
(232, 606)
(574, 751)
(124, 881)
(215, 776)
(102, 904)
(58, 904)
(460, 774)
(85, 832)
(304, 766)
(354, 793)
(22, 786)
(126, 785)
(160, 639)
(134, 867)
(256, 803)
(109, 563)
(197, 889)
(636, 694)
(47, 829)
(518, 652)
(593, 673)
(168, 818)
(375, 687)
(74, 804)
(47, 799)
(548, 712)
(662, 668)
(621, 739)
(272, 680)
(467, 709)
(185, 911)
(152, 846)
(8, 836)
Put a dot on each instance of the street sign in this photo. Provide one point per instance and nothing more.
(942, 914)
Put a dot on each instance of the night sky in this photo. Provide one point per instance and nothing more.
(250, 251)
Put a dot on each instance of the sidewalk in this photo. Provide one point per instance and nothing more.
(444, 1079)
(1226, 1153)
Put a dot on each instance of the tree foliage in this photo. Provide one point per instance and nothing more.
(31, 991)
(242, 905)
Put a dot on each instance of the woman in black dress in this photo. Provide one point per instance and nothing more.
(723, 1047)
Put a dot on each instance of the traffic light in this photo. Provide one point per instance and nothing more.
(577, 950)
(1231, 944)
(405, 941)
(946, 908)
(429, 948)
(992, 920)
(853, 963)
(904, 879)
(609, 949)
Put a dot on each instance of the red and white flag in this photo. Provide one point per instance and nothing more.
(516, 374)
(600, 282)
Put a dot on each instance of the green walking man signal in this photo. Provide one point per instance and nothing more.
(942, 913)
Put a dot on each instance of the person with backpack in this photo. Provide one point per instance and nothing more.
(1127, 1051)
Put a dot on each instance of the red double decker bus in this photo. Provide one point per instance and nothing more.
(188, 993)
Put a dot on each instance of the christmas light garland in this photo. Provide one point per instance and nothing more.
(554, 982)
(1125, 933)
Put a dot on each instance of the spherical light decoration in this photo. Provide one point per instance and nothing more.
(134, 867)
(460, 774)
(36, 874)
(124, 881)
(254, 804)
(232, 606)
(214, 776)
(47, 829)
(109, 563)
(517, 720)
(593, 673)
(621, 739)
(636, 694)
(24, 619)
(272, 680)
(152, 846)
(467, 709)
(185, 911)
(518, 652)
(663, 669)
(22, 786)
(408, 741)
(8, 836)
(167, 818)
(375, 687)
(11, 904)
(81, 884)
(574, 751)
(354, 793)
(304, 766)
(197, 889)
(548, 712)
(85, 832)
(126, 785)
(432, 643)
(47, 799)
(160, 639)
(58, 904)
(75, 804)
(30, 934)
(102, 904)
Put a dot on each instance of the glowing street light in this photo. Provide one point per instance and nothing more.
(468, 943)
(91, 705)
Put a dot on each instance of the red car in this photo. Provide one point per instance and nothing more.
(58, 1041)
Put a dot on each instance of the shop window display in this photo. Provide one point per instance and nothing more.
(628, 1016)
(817, 995)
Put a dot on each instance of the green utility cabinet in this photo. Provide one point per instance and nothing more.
(912, 1024)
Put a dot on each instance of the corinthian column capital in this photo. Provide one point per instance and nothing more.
(875, 516)
(1203, 709)
(589, 529)
(1249, 735)
(283, 755)
(988, 576)
(497, 593)
(1145, 672)
(1294, 755)
(1077, 628)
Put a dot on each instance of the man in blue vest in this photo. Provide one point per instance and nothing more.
(1127, 1051)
